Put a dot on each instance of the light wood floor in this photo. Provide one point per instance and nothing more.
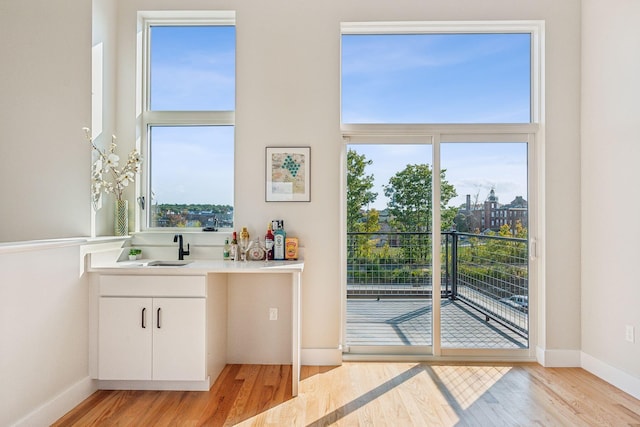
(374, 394)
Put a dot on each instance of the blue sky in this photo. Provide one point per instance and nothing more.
(190, 163)
(436, 78)
(192, 69)
(433, 78)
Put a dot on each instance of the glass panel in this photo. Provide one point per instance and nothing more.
(191, 176)
(485, 271)
(389, 261)
(192, 68)
(436, 78)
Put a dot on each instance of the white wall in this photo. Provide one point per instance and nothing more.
(287, 93)
(103, 122)
(610, 177)
(288, 80)
(43, 331)
(251, 338)
(45, 85)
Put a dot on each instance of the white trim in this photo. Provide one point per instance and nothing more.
(535, 216)
(52, 410)
(371, 352)
(189, 17)
(176, 118)
(558, 358)
(156, 385)
(39, 245)
(439, 27)
(411, 130)
(426, 358)
(321, 356)
(343, 244)
(436, 241)
(540, 355)
(614, 376)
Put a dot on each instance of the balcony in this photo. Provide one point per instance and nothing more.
(483, 289)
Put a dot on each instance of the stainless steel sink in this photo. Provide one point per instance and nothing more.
(174, 263)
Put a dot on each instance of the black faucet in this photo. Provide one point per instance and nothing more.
(181, 251)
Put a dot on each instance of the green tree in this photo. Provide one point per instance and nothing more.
(409, 192)
(359, 193)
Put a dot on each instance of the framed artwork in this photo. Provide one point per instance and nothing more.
(288, 174)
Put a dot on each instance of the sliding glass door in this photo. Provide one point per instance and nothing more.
(439, 122)
(475, 298)
(484, 246)
(389, 278)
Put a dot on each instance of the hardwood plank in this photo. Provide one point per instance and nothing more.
(223, 399)
(239, 412)
(407, 394)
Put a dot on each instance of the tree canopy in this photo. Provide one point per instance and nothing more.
(409, 192)
(359, 193)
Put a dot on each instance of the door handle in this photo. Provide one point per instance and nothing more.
(158, 318)
(144, 317)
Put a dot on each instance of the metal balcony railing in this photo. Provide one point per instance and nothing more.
(487, 272)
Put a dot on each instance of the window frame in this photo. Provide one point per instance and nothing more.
(149, 118)
(534, 28)
(531, 132)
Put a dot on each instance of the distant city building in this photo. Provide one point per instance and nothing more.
(491, 215)
(194, 216)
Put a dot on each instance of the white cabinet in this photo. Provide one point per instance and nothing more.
(124, 339)
(179, 339)
(148, 332)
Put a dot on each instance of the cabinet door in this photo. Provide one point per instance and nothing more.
(179, 339)
(124, 338)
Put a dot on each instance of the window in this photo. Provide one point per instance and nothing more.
(436, 78)
(470, 94)
(188, 120)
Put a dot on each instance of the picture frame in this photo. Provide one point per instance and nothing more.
(288, 174)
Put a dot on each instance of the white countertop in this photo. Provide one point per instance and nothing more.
(198, 267)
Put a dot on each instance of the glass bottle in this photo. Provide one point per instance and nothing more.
(268, 242)
(244, 243)
(226, 250)
(279, 236)
(233, 253)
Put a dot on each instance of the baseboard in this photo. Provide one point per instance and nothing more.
(558, 358)
(321, 356)
(54, 409)
(155, 385)
(614, 376)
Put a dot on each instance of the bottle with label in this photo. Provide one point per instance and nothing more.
(233, 253)
(268, 243)
(256, 251)
(226, 250)
(244, 243)
(244, 235)
(279, 236)
(291, 248)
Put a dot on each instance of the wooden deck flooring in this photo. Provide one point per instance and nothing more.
(407, 322)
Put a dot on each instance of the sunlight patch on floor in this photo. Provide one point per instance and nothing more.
(466, 384)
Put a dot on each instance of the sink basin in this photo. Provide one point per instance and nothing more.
(175, 263)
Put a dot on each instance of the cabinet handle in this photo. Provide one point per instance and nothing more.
(144, 318)
(158, 317)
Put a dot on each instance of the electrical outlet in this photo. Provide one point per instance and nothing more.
(629, 334)
(273, 314)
